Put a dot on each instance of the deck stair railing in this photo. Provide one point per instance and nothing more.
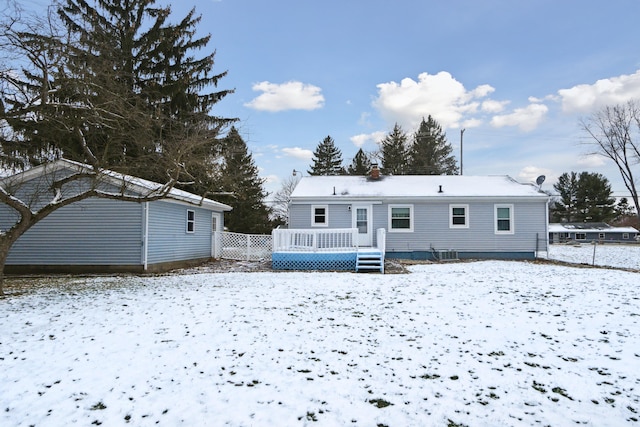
(311, 240)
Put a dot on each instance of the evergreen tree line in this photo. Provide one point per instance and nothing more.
(425, 152)
(587, 197)
(119, 86)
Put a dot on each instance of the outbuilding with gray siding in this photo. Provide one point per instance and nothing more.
(108, 235)
(426, 216)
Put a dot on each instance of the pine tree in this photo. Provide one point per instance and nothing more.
(584, 197)
(394, 152)
(430, 153)
(327, 159)
(565, 209)
(360, 165)
(134, 44)
(595, 203)
(239, 176)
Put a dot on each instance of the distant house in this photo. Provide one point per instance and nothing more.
(103, 235)
(427, 217)
(590, 232)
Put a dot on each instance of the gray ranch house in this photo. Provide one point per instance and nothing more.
(590, 232)
(106, 235)
(420, 217)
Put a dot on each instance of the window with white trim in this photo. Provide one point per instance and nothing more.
(319, 216)
(400, 218)
(458, 216)
(581, 236)
(601, 236)
(625, 236)
(504, 219)
(191, 221)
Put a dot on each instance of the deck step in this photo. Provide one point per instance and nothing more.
(370, 261)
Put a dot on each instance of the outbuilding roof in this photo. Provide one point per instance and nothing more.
(586, 227)
(132, 183)
(413, 186)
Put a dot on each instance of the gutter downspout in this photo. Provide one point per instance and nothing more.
(145, 235)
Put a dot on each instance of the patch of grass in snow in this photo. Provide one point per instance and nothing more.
(98, 406)
(380, 403)
(562, 392)
(451, 423)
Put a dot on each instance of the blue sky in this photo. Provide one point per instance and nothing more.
(517, 76)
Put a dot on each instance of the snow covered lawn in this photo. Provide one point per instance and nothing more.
(612, 255)
(480, 344)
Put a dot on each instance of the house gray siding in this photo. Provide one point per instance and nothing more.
(90, 232)
(168, 239)
(339, 216)
(431, 228)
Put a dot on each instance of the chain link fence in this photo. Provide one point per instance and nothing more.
(242, 247)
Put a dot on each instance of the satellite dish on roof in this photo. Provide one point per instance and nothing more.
(540, 180)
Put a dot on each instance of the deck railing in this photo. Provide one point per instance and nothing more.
(313, 240)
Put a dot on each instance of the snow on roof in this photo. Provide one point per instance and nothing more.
(588, 227)
(133, 183)
(413, 186)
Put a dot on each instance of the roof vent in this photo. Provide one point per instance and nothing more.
(440, 189)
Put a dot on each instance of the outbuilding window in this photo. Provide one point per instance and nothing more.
(191, 221)
(401, 218)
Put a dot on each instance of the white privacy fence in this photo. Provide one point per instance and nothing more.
(326, 240)
(243, 247)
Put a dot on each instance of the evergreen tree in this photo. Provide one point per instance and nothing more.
(595, 203)
(360, 165)
(327, 159)
(430, 153)
(394, 152)
(584, 197)
(565, 209)
(152, 61)
(239, 176)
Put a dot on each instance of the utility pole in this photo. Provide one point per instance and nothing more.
(461, 133)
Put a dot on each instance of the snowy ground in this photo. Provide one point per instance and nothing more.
(476, 343)
(626, 256)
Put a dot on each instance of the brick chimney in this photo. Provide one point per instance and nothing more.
(375, 172)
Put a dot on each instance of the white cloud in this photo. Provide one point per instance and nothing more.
(286, 96)
(592, 161)
(531, 173)
(611, 91)
(527, 119)
(439, 95)
(491, 106)
(361, 139)
(298, 153)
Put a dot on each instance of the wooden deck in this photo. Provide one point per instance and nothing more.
(328, 250)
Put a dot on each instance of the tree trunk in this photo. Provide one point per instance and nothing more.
(4, 252)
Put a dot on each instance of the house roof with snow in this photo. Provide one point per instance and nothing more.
(588, 227)
(413, 186)
(132, 183)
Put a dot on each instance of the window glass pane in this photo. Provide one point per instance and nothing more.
(458, 211)
(400, 212)
(319, 215)
(503, 225)
(458, 220)
(503, 213)
(400, 223)
(401, 218)
(361, 220)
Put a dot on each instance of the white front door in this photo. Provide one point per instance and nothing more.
(361, 218)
